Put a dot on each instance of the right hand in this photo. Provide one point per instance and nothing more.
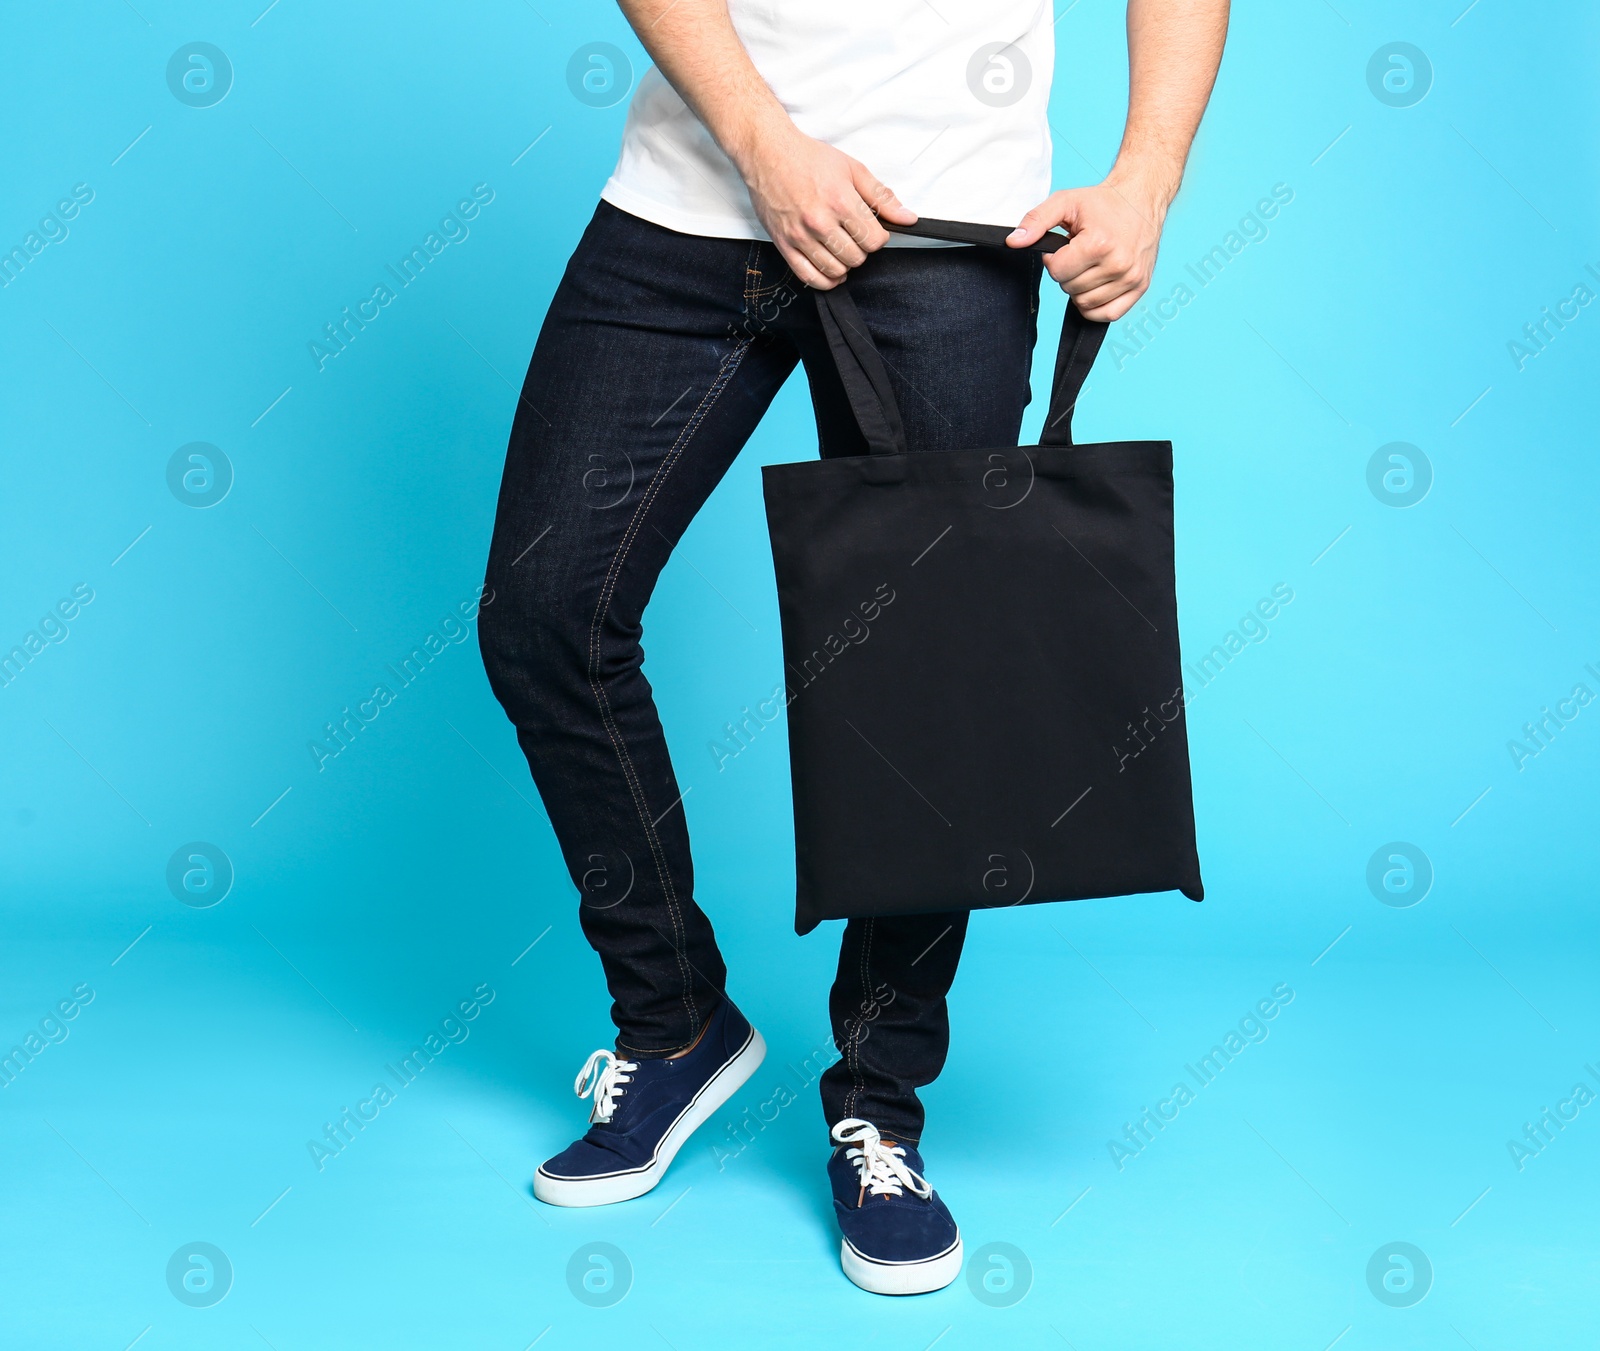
(820, 206)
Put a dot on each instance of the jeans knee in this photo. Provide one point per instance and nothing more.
(493, 629)
(493, 645)
(530, 642)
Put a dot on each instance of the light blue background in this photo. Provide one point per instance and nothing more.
(381, 890)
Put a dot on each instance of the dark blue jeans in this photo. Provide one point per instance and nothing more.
(658, 357)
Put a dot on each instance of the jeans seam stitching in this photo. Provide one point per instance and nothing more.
(858, 1085)
(752, 275)
(653, 1052)
(730, 364)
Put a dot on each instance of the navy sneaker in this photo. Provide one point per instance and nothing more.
(644, 1110)
(899, 1238)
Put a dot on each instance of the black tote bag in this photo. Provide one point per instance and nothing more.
(981, 656)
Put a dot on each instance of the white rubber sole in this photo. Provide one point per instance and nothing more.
(613, 1187)
(901, 1278)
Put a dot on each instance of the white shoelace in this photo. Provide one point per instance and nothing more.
(603, 1075)
(880, 1163)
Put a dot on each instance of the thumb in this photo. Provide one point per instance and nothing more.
(879, 199)
(1059, 208)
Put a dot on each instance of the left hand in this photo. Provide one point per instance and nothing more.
(1115, 231)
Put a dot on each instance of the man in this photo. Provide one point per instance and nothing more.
(761, 157)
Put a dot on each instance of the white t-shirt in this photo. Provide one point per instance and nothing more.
(943, 100)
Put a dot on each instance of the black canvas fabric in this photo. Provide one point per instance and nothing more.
(981, 652)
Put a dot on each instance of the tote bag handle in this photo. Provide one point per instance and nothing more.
(866, 381)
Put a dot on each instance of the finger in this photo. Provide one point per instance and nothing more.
(842, 245)
(1109, 314)
(1108, 303)
(1084, 261)
(1092, 260)
(1068, 265)
(1059, 208)
(1080, 274)
(878, 198)
(816, 248)
(1097, 297)
(863, 228)
(804, 272)
(807, 237)
(1132, 283)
